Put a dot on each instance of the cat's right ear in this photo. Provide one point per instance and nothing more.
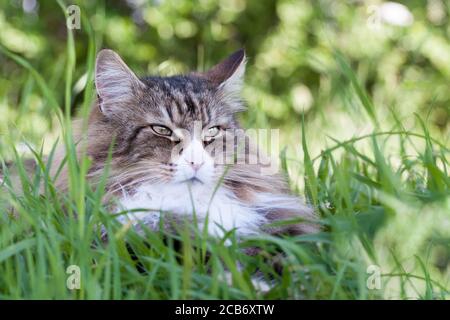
(116, 84)
(229, 74)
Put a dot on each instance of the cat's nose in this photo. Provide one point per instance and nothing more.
(196, 165)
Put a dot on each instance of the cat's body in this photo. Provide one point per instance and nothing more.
(165, 156)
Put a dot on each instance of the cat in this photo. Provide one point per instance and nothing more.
(164, 162)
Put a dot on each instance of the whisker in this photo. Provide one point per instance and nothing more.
(135, 182)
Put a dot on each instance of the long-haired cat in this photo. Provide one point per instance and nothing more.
(170, 138)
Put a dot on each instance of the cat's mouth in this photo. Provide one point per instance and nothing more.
(193, 180)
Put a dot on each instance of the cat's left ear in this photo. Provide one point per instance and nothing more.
(229, 74)
(116, 84)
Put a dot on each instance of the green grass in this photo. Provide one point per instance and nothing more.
(371, 211)
(383, 199)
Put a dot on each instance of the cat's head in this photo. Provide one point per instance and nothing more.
(164, 127)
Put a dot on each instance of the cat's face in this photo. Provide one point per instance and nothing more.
(169, 129)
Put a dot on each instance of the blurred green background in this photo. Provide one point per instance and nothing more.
(400, 55)
(348, 68)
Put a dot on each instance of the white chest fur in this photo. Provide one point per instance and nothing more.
(224, 210)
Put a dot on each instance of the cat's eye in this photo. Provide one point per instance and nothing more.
(162, 130)
(212, 132)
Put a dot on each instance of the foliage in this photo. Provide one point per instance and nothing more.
(363, 112)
